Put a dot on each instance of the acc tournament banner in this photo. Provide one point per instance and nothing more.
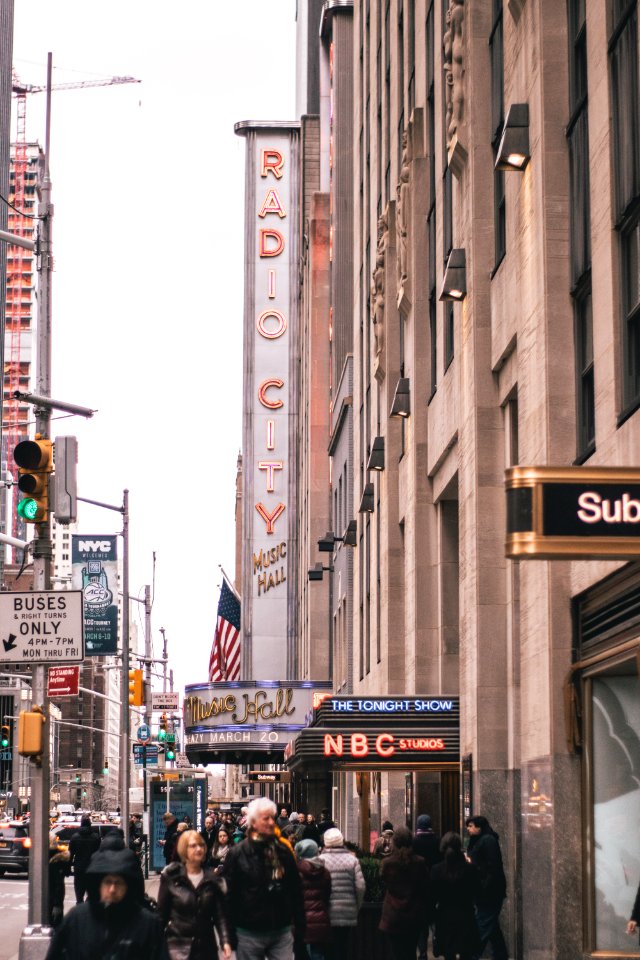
(95, 572)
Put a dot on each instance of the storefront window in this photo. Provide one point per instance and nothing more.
(616, 808)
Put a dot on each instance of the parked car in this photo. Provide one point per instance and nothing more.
(64, 831)
(14, 848)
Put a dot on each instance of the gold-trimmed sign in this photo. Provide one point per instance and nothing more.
(572, 512)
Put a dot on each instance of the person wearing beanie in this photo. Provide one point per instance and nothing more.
(83, 845)
(347, 891)
(426, 844)
(316, 890)
(382, 846)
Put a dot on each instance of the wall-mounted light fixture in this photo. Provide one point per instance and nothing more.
(513, 152)
(454, 283)
(350, 538)
(316, 572)
(325, 544)
(367, 504)
(376, 457)
(401, 406)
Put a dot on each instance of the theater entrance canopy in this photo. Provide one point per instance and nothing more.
(246, 721)
(379, 733)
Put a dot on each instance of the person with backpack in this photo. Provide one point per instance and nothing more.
(382, 846)
(404, 908)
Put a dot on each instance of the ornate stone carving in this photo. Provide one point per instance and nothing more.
(453, 66)
(377, 290)
(403, 213)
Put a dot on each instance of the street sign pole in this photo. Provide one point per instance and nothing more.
(40, 774)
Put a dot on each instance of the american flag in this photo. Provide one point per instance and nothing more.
(224, 662)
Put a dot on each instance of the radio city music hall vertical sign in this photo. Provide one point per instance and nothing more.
(270, 414)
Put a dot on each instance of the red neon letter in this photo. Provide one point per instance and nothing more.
(270, 466)
(281, 324)
(385, 751)
(332, 745)
(359, 745)
(270, 518)
(272, 204)
(265, 249)
(271, 160)
(262, 393)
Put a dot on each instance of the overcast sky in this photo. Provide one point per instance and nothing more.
(148, 185)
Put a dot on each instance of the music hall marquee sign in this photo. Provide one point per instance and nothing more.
(251, 719)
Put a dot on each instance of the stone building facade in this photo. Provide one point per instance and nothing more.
(526, 354)
(535, 364)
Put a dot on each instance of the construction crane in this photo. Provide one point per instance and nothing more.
(20, 263)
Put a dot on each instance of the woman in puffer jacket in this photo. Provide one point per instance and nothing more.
(347, 891)
(316, 890)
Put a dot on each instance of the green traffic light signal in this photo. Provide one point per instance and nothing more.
(162, 734)
(28, 509)
(170, 753)
(5, 737)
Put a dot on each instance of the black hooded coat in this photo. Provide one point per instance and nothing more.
(122, 931)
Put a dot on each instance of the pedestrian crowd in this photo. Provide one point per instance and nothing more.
(269, 883)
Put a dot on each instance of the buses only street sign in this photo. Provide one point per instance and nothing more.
(43, 627)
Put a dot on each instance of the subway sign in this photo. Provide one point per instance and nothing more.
(572, 512)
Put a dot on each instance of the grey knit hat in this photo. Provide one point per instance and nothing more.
(306, 849)
(332, 837)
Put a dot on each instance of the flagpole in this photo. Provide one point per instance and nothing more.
(230, 584)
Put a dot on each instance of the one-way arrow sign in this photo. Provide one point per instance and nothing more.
(10, 644)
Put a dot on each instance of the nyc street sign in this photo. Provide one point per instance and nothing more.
(572, 512)
(43, 627)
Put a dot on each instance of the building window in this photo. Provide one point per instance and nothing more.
(497, 120)
(448, 333)
(580, 228)
(411, 90)
(431, 217)
(625, 102)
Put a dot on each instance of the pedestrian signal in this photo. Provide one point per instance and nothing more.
(34, 459)
(136, 688)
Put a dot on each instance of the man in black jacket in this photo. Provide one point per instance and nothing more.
(112, 922)
(485, 854)
(170, 836)
(265, 892)
(83, 845)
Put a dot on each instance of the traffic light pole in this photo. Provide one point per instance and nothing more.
(39, 800)
(125, 717)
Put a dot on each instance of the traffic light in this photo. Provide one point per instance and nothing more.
(136, 688)
(65, 482)
(35, 460)
(105, 768)
(31, 732)
(170, 752)
(5, 736)
(162, 728)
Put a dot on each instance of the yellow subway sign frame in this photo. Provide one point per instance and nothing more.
(573, 513)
